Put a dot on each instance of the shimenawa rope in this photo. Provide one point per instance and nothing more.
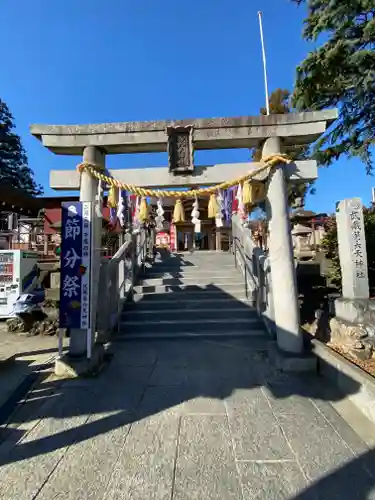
(98, 172)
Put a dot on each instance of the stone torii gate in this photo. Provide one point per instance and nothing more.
(180, 139)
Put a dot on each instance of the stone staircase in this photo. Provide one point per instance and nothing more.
(190, 294)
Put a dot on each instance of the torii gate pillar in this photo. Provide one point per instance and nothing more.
(285, 296)
(88, 192)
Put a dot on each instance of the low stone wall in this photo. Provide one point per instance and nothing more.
(353, 326)
(356, 385)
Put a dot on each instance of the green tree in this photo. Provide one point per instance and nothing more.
(280, 103)
(341, 72)
(14, 169)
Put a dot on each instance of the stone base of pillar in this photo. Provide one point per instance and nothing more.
(289, 362)
(68, 367)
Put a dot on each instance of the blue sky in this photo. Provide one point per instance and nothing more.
(82, 61)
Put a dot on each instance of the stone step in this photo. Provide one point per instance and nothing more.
(257, 336)
(144, 314)
(192, 325)
(197, 280)
(195, 254)
(172, 301)
(220, 273)
(224, 288)
(194, 262)
(204, 267)
(196, 295)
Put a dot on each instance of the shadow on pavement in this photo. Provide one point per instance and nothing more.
(145, 378)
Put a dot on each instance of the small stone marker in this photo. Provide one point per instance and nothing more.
(352, 249)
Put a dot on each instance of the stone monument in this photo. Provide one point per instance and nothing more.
(352, 249)
(354, 325)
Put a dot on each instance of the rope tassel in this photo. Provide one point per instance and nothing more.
(113, 197)
(143, 210)
(247, 193)
(253, 193)
(178, 212)
(213, 206)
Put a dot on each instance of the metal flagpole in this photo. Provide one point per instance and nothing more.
(264, 62)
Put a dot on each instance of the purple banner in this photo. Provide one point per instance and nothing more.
(75, 265)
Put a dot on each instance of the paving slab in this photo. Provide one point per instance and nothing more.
(323, 448)
(256, 432)
(89, 464)
(271, 480)
(185, 420)
(26, 468)
(205, 465)
(26, 356)
(145, 468)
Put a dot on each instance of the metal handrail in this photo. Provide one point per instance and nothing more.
(120, 252)
(247, 269)
(129, 272)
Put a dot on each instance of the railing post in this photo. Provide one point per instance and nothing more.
(133, 258)
(121, 279)
(104, 303)
(246, 287)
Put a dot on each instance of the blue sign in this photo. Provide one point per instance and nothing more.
(75, 265)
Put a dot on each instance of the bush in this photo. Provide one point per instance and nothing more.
(330, 246)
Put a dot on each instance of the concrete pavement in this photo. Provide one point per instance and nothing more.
(181, 420)
(22, 358)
